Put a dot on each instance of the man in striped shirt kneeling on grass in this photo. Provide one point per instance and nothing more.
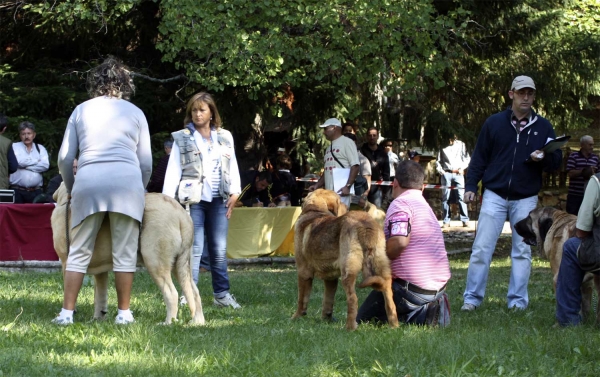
(415, 246)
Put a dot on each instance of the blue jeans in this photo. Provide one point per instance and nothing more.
(411, 307)
(568, 285)
(209, 218)
(494, 210)
(459, 180)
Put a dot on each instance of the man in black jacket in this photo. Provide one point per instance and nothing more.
(380, 166)
(508, 160)
(255, 189)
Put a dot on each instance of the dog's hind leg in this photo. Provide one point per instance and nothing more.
(349, 284)
(304, 290)
(328, 299)
(390, 306)
(190, 291)
(100, 295)
(162, 277)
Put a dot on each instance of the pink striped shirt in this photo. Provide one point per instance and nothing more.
(424, 262)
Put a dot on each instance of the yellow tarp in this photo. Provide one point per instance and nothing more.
(255, 232)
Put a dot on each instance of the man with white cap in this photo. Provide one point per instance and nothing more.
(509, 162)
(341, 154)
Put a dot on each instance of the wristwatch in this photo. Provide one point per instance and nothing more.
(349, 185)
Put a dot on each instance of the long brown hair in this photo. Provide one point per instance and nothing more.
(207, 99)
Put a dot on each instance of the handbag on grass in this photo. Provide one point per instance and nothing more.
(189, 191)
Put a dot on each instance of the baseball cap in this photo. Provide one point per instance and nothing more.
(521, 82)
(413, 154)
(332, 122)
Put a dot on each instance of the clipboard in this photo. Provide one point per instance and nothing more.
(552, 145)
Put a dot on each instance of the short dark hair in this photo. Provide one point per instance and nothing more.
(3, 121)
(372, 128)
(168, 143)
(265, 175)
(284, 162)
(410, 175)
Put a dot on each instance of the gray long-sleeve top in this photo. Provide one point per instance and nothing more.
(115, 158)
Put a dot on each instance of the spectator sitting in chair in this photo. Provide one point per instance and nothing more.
(8, 161)
(255, 189)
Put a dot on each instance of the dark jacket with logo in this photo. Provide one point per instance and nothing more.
(499, 159)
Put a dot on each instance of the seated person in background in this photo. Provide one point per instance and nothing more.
(157, 179)
(415, 246)
(284, 188)
(255, 189)
(33, 161)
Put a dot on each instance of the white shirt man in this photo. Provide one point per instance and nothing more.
(33, 161)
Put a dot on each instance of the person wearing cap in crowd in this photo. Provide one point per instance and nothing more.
(33, 161)
(509, 163)
(341, 154)
(158, 175)
(8, 160)
(414, 156)
(581, 165)
(451, 164)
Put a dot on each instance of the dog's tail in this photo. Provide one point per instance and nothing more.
(376, 282)
(376, 266)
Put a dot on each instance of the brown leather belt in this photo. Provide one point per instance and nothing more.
(416, 289)
(14, 187)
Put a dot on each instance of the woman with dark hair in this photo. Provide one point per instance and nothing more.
(111, 137)
(203, 172)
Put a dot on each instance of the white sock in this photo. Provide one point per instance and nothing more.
(64, 313)
(125, 313)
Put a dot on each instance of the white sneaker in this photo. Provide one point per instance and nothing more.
(468, 307)
(63, 321)
(121, 320)
(182, 301)
(227, 300)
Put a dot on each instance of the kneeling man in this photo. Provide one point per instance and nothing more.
(415, 246)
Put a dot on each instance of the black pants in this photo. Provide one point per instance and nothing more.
(24, 196)
(411, 307)
(573, 203)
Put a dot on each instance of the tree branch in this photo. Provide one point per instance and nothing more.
(178, 77)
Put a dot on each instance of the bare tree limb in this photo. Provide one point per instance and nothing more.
(178, 77)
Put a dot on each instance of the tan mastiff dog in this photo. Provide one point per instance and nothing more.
(549, 228)
(165, 245)
(331, 243)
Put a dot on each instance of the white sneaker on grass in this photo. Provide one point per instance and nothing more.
(124, 320)
(182, 301)
(225, 301)
(63, 321)
(468, 307)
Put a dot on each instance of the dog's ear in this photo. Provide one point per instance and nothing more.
(544, 226)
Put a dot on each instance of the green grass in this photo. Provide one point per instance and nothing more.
(261, 340)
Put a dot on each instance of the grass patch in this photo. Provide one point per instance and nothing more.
(261, 340)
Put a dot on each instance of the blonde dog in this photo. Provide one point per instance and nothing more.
(165, 245)
(331, 242)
